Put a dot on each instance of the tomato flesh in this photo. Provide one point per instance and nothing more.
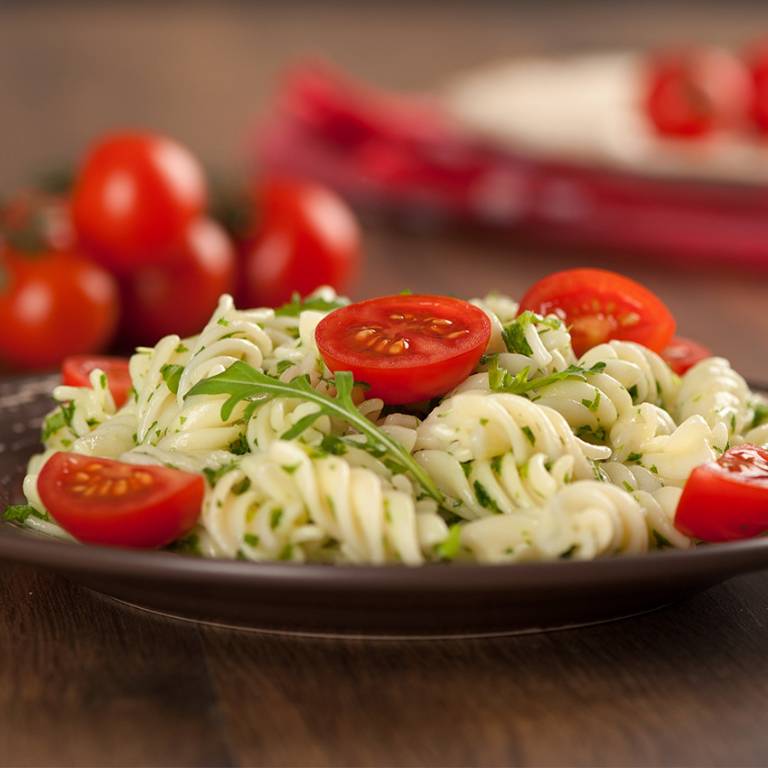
(76, 371)
(599, 305)
(406, 348)
(100, 501)
(681, 354)
(727, 499)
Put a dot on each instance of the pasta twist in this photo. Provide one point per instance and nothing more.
(583, 520)
(283, 504)
(713, 390)
(477, 425)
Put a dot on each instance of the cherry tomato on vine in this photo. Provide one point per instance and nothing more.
(727, 499)
(691, 94)
(134, 197)
(407, 348)
(53, 304)
(101, 501)
(76, 371)
(682, 354)
(179, 297)
(307, 237)
(599, 305)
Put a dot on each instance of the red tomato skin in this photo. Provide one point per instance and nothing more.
(567, 293)
(180, 297)
(411, 378)
(681, 354)
(134, 196)
(692, 94)
(757, 60)
(43, 219)
(307, 237)
(54, 305)
(75, 372)
(166, 512)
(720, 505)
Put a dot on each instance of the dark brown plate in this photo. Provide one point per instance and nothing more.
(396, 600)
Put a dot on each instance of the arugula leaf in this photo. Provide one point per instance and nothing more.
(242, 382)
(171, 376)
(501, 380)
(18, 513)
(239, 446)
(296, 306)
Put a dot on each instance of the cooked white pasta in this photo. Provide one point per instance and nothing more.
(537, 455)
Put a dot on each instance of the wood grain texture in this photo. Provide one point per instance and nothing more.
(87, 682)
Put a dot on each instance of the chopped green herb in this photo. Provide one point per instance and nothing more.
(286, 553)
(484, 498)
(92, 423)
(654, 469)
(466, 468)
(290, 468)
(634, 458)
(661, 541)
(214, 475)
(60, 418)
(296, 306)
(761, 414)
(181, 349)
(633, 393)
(501, 380)
(450, 546)
(586, 432)
(568, 554)
(483, 422)
(496, 464)
(628, 487)
(251, 539)
(733, 422)
(239, 446)
(188, 545)
(240, 487)
(18, 513)
(103, 381)
(528, 432)
(171, 374)
(592, 404)
(240, 381)
(275, 517)
(222, 321)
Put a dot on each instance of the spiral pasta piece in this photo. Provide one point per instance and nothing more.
(583, 520)
(283, 504)
(713, 390)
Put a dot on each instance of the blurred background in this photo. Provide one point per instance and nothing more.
(208, 74)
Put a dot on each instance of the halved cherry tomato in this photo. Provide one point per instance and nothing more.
(690, 94)
(134, 196)
(307, 237)
(76, 370)
(600, 305)
(202, 268)
(727, 499)
(682, 354)
(100, 501)
(407, 348)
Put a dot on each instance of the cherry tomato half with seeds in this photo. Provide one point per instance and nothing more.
(76, 372)
(307, 237)
(407, 348)
(53, 304)
(134, 196)
(599, 305)
(101, 501)
(681, 354)
(727, 499)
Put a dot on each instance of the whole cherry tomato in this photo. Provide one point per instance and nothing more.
(691, 94)
(53, 304)
(406, 348)
(134, 197)
(101, 501)
(599, 305)
(307, 237)
(36, 221)
(179, 297)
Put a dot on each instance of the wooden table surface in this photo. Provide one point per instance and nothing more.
(84, 681)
